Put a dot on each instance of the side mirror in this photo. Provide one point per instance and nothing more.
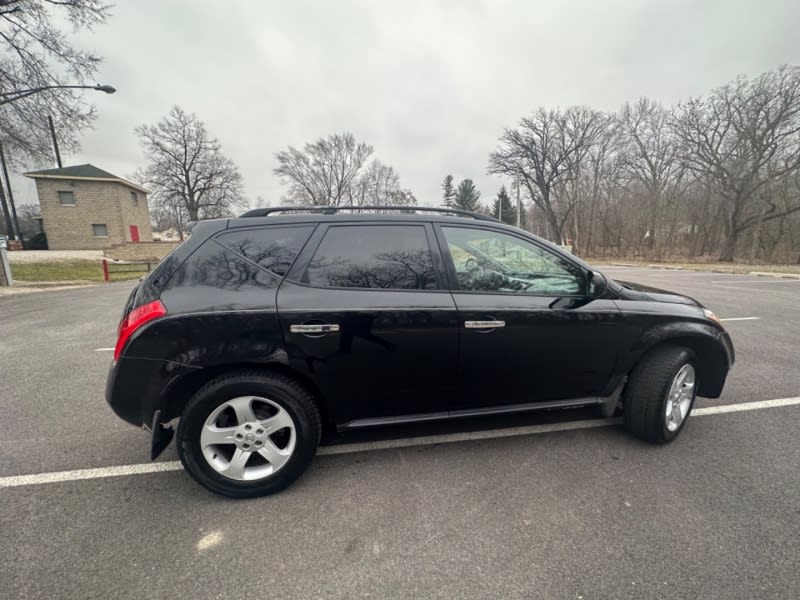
(595, 284)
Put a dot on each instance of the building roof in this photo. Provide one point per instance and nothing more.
(87, 171)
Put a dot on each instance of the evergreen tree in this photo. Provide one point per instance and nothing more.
(467, 196)
(503, 209)
(448, 192)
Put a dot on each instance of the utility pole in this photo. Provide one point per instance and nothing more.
(12, 224)
(519, 204)
(499, 209)
(55, 140)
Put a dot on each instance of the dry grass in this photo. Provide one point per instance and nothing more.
(76, 270)
(718, 267)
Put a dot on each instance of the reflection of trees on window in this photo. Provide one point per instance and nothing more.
(273, 248)
(375, 257)
(214, 266)
(401, 269)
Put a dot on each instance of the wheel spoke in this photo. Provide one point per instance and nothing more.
(273, 455)
(235, 468)
(677, 414)
(243, 409)
(278, 421)
(213, 435)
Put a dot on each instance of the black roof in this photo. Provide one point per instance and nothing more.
(86, 170)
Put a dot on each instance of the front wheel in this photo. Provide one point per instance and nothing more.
(660, 394)
(248, 434)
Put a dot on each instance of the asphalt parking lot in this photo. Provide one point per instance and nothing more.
(546, 511)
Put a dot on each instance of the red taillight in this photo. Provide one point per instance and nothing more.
(135, 319)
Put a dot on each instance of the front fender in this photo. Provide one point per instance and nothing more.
(712, 347)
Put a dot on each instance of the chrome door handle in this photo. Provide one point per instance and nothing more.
(314, 328)
(484, 324)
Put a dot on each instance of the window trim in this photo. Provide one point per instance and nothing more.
(451, 268)
(74, 200)
(301, 264)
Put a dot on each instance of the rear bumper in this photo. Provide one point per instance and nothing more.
(136, 387)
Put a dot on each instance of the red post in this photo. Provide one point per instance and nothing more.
(106, 278)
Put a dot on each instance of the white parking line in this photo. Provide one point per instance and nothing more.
(762, 280)
(145, 468)
(103, 349)
(741, 319)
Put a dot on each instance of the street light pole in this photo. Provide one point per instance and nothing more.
(10, 193)
(55, 140)
(8, 97)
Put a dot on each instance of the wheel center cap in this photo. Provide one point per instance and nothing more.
(250, 437)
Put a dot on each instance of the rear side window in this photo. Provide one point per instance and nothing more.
(273, 248)
(375, 256)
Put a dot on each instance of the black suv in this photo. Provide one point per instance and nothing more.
(264, 333)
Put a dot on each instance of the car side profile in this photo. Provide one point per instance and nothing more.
(265, 334)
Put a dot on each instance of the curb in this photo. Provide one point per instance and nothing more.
(775, 274)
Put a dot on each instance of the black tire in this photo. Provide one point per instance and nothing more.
(282, 390)
(646, 394)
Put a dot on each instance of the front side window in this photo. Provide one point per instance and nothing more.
(375, 256)
(67, 198)
(99, 230)
(491, 261)
(273, 248)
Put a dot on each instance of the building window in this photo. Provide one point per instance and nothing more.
(99, 230)
(134, 200)
(66, 198)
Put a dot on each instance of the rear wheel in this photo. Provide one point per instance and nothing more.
(660, 394)
(248, 434)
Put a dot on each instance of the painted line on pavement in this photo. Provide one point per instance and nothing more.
(741, 319)
(762, 280)
(145, 468)
(103, 349)
(743, 406)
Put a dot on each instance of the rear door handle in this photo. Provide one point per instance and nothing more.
(484, 324)
(314, 328)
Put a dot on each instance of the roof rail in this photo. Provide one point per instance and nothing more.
(331, 210)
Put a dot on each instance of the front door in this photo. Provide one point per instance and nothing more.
(134, 233)
(529, 333)
(367, 316)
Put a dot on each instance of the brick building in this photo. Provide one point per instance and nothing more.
(86, 208)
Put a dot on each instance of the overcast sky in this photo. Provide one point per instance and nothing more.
(430, 85)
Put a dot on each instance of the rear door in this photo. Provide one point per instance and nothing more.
(366, 313)
(529, 332)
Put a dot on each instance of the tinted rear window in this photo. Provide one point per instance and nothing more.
(375, 256)
(273, 248)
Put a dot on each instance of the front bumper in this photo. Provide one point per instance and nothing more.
(727, 345)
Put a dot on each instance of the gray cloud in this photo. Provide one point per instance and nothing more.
(429, 84)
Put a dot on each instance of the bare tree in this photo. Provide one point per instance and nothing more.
(34, 52)
(187, 171)
(740, 139)
(543, 151)
(335, 171)
(323, 172)
(379, 185)
(650, 158)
